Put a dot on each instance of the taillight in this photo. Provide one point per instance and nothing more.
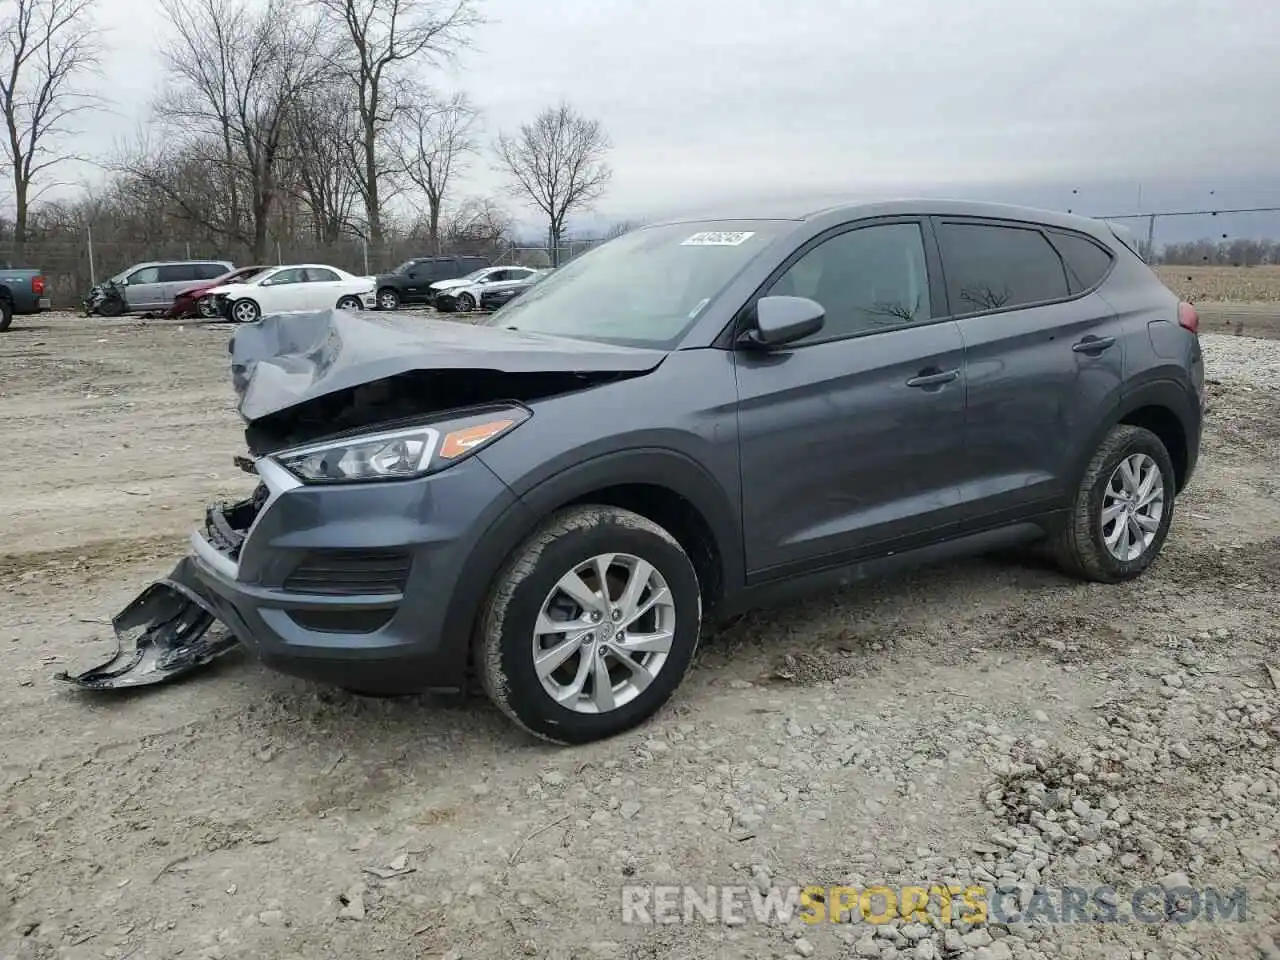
(37, 286)
(1187, 317)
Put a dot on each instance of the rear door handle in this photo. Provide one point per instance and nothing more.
(935, 379)
(1092, 344)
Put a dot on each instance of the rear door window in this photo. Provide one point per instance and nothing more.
(1087, 262)
(990, 267)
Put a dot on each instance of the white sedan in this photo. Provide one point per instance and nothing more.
(306, 286)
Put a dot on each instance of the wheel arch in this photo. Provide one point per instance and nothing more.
(1166, 409)
(665, 486)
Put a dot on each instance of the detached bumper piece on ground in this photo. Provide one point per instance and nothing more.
(160, 636)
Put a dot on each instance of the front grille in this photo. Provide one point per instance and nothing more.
(350, 573)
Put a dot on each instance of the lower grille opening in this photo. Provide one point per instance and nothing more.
(348, 573)
(341, 621)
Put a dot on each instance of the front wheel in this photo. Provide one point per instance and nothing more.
(244, 311)
(590, 626)
(349, 303)
(1122, 509)
(207, 309)
(388, 299)
(466, 303)
(6, 314)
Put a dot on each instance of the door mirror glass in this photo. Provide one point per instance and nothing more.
(782, 320)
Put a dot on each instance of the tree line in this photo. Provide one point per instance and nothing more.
(306, 124)
(1237, 253)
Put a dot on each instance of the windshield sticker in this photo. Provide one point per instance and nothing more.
(718, 238)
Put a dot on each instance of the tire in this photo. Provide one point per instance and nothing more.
(245, 311)
(388, 299)
(111, 307)
(6, 314)
(206, 309)
(527, 584)
(1080, 546)
(350, 303)
(466, 303)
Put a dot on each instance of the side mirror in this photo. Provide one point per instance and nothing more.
(782, 320)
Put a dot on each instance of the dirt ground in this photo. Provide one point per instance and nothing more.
(989, 722)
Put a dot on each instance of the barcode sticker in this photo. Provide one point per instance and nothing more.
(718, 238)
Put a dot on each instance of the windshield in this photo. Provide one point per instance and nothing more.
(475, 274)
(646, 288)
(404, 267)
(239, 276)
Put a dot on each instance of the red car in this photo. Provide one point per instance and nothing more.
(192, 301)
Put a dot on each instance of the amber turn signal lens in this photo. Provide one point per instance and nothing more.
(463, 441)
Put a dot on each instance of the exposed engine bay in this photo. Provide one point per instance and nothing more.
(302, 377)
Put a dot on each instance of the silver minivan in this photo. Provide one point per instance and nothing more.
(153, 285)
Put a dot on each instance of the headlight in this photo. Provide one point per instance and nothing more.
(401, 453)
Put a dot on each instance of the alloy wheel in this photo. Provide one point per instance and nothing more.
(603, 633)
(245, 312)
(387, 300)
(1132, 507)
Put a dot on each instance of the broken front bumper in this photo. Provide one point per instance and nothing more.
(349, 584)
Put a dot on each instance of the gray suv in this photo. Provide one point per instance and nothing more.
(153, 285)
(686, 421)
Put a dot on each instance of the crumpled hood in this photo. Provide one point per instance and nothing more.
(287, 359)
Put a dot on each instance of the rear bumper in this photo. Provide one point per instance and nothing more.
(351, 584)
(27, 306)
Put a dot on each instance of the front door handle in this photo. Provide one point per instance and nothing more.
(1092, 344)
(933, 378)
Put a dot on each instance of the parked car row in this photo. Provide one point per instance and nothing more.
(217, 288)
(450, 284)
(211, 289)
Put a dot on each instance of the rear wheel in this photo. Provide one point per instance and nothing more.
(349, 303)
(6, 314)
(245, 311)
(1122, 509)
(590, 626)
(388, 299)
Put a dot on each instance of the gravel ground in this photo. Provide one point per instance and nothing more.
(988, 723)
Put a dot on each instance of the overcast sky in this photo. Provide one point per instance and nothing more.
(714, 102)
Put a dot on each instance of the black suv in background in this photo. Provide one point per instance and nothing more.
(411, 281)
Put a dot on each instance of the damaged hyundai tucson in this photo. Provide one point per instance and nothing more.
(682, 422)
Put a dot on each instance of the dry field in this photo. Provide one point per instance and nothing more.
(988, 722)
(1229, 284)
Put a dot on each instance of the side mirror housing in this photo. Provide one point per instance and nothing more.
(783, 320)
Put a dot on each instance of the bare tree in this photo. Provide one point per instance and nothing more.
(239, 74)
(319, 169)
(434, 141)
(48, 46)
(387, 38)
(622, 227)
(557, 163)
